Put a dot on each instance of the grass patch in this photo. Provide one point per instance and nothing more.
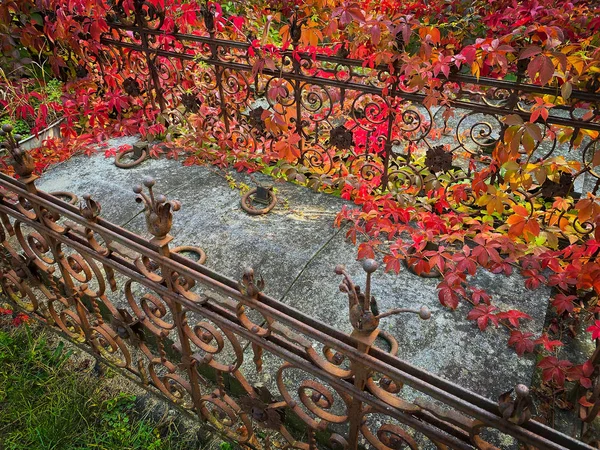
(45, 403)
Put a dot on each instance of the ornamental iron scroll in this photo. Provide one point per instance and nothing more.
(347, 117)
(202, 340)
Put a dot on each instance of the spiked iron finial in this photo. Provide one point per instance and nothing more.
(296, 26)
(208, 14)
(517, 410)
(364, 312)
(159, 211)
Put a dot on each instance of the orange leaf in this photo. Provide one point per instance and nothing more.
(521, 210)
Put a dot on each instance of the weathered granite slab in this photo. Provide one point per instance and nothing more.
(277, 245)
(448, 344)
(111, 186)
(295, 248)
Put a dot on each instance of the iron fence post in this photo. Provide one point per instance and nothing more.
(296, 34)
(159, 220)
(209, 21)
(365, 317)
(142, 29)
(391, 105)
(361, 374)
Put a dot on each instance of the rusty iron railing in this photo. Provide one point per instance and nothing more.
(201, 340)
(349, 116)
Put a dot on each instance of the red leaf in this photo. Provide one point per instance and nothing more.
(533, 279)
(483, 314)
(479, 295)
(543, 65)
(448, 297)
(530, 51)
(521, 342)
(554, 369)
(564, 303)
(581, 374)
(365, 250)
(547, 343)
(595, 329)
(392, 263)
(513, 317)
(375, 34)
(465, 263)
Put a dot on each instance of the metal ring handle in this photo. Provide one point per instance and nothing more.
(122, 165)
(250, 209)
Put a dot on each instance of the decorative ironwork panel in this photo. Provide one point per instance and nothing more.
(346, 117)
(204, 341)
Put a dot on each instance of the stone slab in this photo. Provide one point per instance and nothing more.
(447, 344)
(111, 186)
(295, 248)
(277, 245)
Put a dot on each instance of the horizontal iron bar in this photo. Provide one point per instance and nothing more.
(459, 78)
(350, 86)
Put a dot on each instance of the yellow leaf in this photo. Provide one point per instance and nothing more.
(475, 69)
(577, 63)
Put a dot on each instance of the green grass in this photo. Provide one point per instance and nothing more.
(45, 403)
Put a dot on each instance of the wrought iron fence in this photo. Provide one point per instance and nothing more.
(199, 339)
(349, 117)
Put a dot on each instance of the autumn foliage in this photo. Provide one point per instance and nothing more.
(494, 219)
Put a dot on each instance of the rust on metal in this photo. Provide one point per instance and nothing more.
(158, 211)
(199, 254)
(261, 195)
(517, 409)
(139, 153)
(363, 310)
(164, 333)
(70, 197)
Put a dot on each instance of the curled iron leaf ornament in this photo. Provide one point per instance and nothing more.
(191, 102)
(249, 286)
(132, 87)
(89, 208)
(81, 71)
(363, 309)
(341, 138)
(517, 409)
(438, 160)
(255, 119)
(158, 211)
